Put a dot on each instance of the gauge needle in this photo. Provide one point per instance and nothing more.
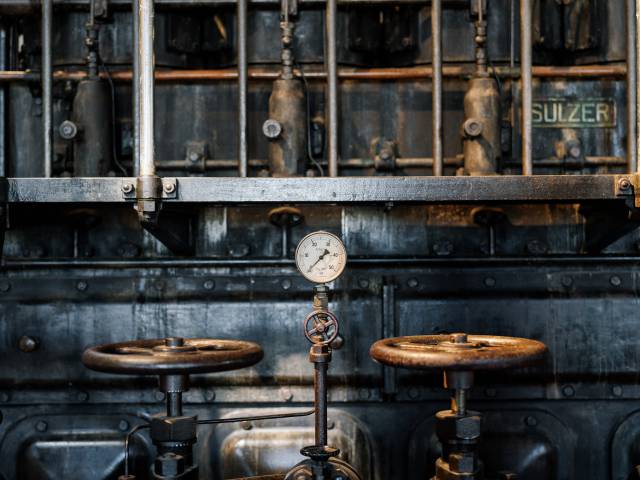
(324, 254)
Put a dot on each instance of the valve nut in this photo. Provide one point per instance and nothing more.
(454, 427)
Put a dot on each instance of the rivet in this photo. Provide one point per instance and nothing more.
(568, 391)
(286, 284)
(567, 281)
(413, 282)
(5, 286)
(531, 421)
(83, 396)
(364, 394)
(413, 393)
(28, 344)
(208, 284)
(159, 396)
(123, 426)
(615, 281)
(363, 283)
(82, 286)
(210, 395)
(246, 425)
(286, 394)
(4, 397)
(490, 282)
(616, 390)
(42, 426)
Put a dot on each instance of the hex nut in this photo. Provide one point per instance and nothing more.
(463, 462)
(451, 426)
(173, 429)
(169, 464)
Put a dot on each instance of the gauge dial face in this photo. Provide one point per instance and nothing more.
(321, 257)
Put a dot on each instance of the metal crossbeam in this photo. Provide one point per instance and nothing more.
(344, 190)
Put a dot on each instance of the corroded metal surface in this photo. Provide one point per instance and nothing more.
(155, 357)
(479, 352)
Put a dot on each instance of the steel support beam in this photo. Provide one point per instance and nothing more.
(345, 190)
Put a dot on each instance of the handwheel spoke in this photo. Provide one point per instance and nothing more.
(133, 351)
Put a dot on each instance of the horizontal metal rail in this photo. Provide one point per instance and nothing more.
(362, 74)
(20, 6)
(345, 190)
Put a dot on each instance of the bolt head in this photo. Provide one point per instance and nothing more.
(169, 187)
(624, 184)
(472, 128)
(272, 129)
(127, 188)
(68, 130)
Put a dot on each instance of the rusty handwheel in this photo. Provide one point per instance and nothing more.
(458, 356)
(457, 352)
(321, 327)
(172, 356)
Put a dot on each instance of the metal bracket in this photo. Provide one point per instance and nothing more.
(627, 187)
(169, 188)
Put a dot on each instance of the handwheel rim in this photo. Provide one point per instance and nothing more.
(436, 352)
(202, 355)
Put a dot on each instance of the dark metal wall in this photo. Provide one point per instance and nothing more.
(76, 275)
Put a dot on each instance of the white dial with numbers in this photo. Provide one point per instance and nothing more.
(321, 257)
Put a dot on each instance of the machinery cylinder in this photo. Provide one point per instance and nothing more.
(93, 114)
(481, 129)
(288, 107)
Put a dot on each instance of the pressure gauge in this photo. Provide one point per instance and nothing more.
(321, 257)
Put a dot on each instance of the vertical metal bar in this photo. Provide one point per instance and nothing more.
(243, 154)
(436, 29)
(632, 85)
(527, 86)
(4, 57)
(389, 329)
(136, 88)
(332, 85)
(146, 87)
(47, 86)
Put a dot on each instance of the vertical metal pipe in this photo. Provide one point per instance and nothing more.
(4, 57)
(632, 85)
(47, 86)
(135, 87)
(527, 86)
(436, 29)
(243, 154)
(332, 85)
(146, 87)
(637, 86)
(320, 382)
